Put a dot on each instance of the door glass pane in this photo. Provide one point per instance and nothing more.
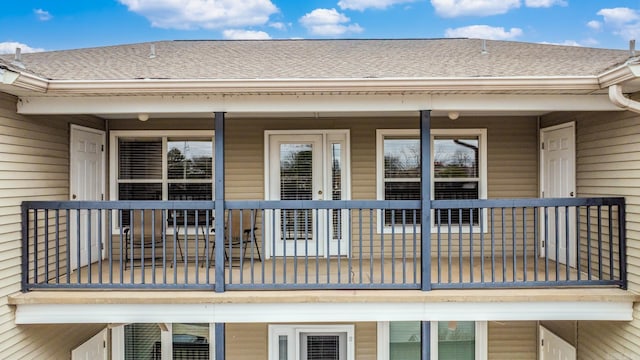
(322, 347)
(142, 341)
(189, 159)
(404, 340)
(283, 347)
(336, 188)
(191, 341)
(456, 340)
(296, 183)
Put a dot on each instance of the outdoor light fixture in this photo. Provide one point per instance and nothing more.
(143, 117)
(453, 115)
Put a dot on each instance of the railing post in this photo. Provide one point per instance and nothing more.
(25, 246)
(425, 197)
(425, 343)
(219, 341)
(219, 203)
(622, 239)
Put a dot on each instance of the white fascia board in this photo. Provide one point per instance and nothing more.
(176, 104)
(322, 312)
(185, 86)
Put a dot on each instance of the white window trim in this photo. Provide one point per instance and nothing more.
(113, 155)
(481, 340)
(293, 332)
(481, 133)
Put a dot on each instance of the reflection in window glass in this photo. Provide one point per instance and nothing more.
(189, 159)
(456, 340)
(191, 341)
(404, 340)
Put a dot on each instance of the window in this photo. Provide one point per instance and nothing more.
(311, 342)
(450, 340)
(162, 166)
(193, 341)
(458, 172)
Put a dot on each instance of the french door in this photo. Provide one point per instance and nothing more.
(307, 166)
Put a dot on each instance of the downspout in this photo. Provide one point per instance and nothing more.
(618, 99)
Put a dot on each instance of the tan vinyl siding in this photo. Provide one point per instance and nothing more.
(567, 330)
(34, 165)
(512, 340)
(249, 341)
(608, 164)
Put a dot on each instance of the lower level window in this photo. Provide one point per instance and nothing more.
(450, 340)
(311, 342)
(178, 341)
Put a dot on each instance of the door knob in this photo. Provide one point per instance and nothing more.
(571, 194)
(74, 196)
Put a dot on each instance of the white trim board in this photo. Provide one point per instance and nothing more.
(241, 103)
(322, 312)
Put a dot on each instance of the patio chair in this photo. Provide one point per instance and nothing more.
(146, 231)
(240, 232)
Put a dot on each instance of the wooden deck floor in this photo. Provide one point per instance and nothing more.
(323, 273)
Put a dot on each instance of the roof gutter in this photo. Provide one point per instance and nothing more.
(618, 99)
(629, 71)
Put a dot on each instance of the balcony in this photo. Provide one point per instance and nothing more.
(275, 245)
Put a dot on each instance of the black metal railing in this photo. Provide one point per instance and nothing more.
(324, 244)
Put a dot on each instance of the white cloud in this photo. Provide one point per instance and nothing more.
(454, 8)
(544, 3)
(484, 32)
(624, 22)
(564, 43)
(9, 47)
(43, 15)
(278, 25)
(619, 16)
(238, 34)
(594, 25)
(328, 22)
(369, 4)
(207, 14)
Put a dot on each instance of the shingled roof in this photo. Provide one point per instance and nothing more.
(321, 59)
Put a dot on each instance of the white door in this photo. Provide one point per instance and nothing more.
(94, 349)
(87, 184)
(307, 166)
(552, 347)
(558, 181)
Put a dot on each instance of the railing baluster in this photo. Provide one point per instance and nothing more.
(306, 247)
(567, 244)
(513, 244)
(439, 244)
(481, 223)
(524, 244)
(349, 252)
(599, 212)
(504, 246)
(448, 245)
(610, 214)
(471, 270)
(536, 242)
(556, 219)
(46, 245)
(460, 246)
(578, 242)
(100, 246)
(493, 247)
(57, 244)
(589, 263)
(546, 245)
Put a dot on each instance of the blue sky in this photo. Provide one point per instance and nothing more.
(36, 25)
